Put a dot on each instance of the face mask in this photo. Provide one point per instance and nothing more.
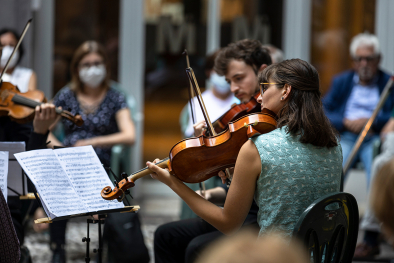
(7, 51)
(219, 83)
(93, 76)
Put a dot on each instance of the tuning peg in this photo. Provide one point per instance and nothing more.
(116, 183)
(124, 175)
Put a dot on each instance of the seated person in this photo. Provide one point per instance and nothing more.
(24, 78)
(349, 104)
(106, 116)
(382, 199)
(183, 240)
(285, 170)
(10, 222)
(369, 223)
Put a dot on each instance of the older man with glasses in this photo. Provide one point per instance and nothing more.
(349, 104)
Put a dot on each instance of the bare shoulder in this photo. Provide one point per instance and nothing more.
(249, 149)
(249, 159)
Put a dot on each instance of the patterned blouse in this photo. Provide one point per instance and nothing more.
(101, 122)
(293, 176)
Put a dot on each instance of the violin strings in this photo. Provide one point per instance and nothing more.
(144, 169)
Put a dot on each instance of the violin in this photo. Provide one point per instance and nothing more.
(197, 159)
(20, 106)
(237, 111)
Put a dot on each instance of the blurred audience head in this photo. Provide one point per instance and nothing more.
(8, 40)
(246, 247)
(365, 52)
(382, 198)
(210, 63)
(217, 82)
(249, 51)
(89, 67)
(276, 54)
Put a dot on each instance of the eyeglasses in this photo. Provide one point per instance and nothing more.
(91, 64)
(265, 86)
(358, 59)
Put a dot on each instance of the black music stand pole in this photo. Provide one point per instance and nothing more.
(100, 249)
(86, 239)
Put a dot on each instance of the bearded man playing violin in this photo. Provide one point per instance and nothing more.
(182, 241)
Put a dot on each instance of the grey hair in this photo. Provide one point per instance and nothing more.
(276, 54)
(364, 39)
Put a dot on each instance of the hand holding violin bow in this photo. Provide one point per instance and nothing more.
(20, 107)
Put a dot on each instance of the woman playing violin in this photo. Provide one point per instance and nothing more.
(284, 170)
(182, 241)
(24, 78)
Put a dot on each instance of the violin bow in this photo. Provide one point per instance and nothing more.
(194, 84)
(16, 48)
(190, 91)
(192, 111)
(197, 91)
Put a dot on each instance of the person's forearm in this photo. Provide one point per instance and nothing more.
(211, 213)
(112, 139)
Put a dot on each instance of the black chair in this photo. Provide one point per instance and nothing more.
(329, 228)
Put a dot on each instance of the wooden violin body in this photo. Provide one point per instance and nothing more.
(197, 159)
(20, 107)
(236, 112)
(17, 112)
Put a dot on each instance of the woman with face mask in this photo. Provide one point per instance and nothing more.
(104, 109)
(106, 116)
(24, 78)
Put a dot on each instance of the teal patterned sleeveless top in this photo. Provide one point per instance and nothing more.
(293, 176)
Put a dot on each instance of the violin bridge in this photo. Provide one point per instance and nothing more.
(252, 132)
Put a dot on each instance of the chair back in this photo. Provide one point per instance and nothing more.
(329, 228)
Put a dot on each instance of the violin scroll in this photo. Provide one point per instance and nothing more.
(77, 119)
(118, 192)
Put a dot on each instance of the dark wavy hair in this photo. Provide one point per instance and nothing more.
(250, 51)
(15, 34)
(303, 113)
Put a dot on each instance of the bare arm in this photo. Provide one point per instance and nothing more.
(32, 82)
(239, 198)
(126, 134)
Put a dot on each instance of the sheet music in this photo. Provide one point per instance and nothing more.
(87, 175)
(3, 173)
(52, 183)
(15, 176)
